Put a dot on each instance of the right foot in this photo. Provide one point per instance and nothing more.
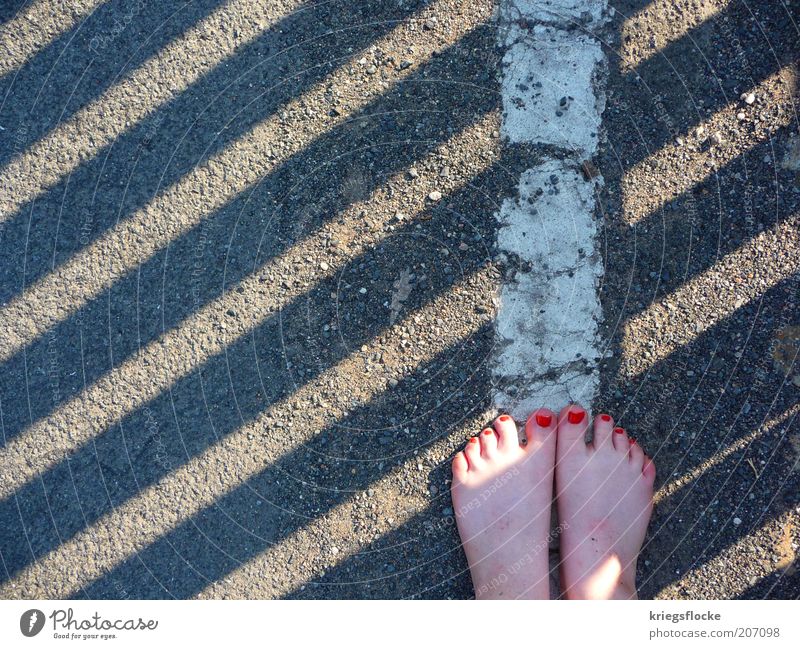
(604, 492)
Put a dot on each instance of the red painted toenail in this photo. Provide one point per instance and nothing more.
(472, 440)
(487, 432)
(631, 441)
(575, 416)
(504, 417)
(605, 417)
(544, 419)
(619, 431)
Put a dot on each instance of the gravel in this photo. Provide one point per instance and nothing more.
(306, 453)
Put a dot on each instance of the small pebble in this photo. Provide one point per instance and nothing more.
(737, 521)
(740, 115)
(363, 291)
(435, 196)
(716, 138)
(324, 265)
(749, 98)
(699, 131)
(413, 172)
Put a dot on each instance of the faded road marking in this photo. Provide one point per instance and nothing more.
(552, 96)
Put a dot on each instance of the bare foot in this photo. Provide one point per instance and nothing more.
(502, 492)
(604, 492)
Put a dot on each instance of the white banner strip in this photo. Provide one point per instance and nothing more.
(397, 624)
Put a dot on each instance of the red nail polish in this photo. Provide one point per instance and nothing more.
(631, 441)
(605, 417)
(472, 440)
(504, 417)
(487, 432)
(544, 419)
(619, 431)
(575, 416)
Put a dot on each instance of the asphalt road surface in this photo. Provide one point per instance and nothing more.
(255, 283)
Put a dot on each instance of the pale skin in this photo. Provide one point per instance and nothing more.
(502, 493)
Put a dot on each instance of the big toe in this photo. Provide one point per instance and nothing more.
(540, 429)
(572, 424)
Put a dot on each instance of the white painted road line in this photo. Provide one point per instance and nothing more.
(552, 95)
(548, 88)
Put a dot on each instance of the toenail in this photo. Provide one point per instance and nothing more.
(619, 431)
(472, 440)
(487, 432)
(575, 416)
(631, 441)
(504, 417)
(544, 419)
(605, 417)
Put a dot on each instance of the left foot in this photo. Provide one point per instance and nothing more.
(502, 492)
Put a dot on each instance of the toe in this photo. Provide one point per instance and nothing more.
(572, 424)
(649, 469)
(540, 427)
(506, 432)
(460, 467)
(635, 453)
(603, 427)
(488, 443)
(473, 453)
(620, 439)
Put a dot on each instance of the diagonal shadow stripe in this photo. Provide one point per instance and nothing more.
(28, 23)
(695, 65)
(690, 423)
(10, 8)
(202, 120)
(735, 355)
(698, 522)
(77, 67)
(782, 583)
(210, 403)
(420, 559)
(222, 245)
(276, 502)
(699, 227)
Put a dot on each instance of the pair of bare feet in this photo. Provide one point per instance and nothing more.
(503, 489)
